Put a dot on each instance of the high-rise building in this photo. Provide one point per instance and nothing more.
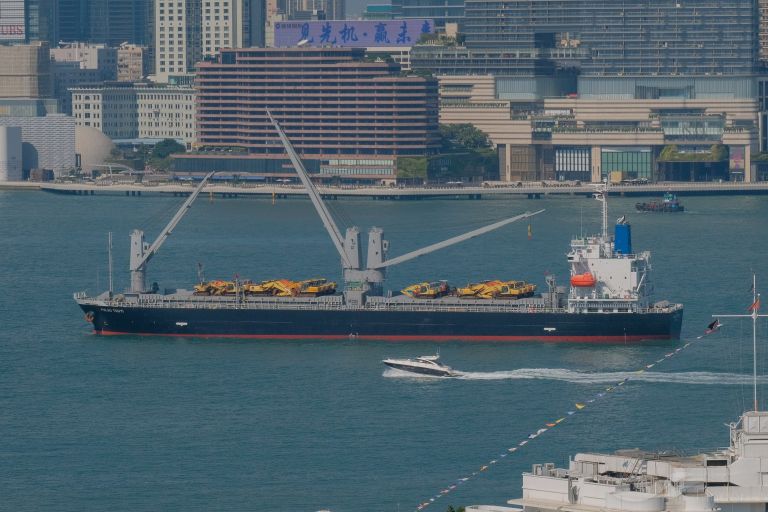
(41, 20)
(441, 11)
(178, 37)
(313, 9)
(763, 32)
(347, 116)
(114, 22)
(188, 31)
(254, 23)
(74, 20)
(26, 71)
(576, 89)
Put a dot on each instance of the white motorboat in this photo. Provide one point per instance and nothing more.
(424, 365)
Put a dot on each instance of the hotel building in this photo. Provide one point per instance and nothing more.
(347, 116)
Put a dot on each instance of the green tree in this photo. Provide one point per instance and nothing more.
(166, 148)
(719, 152)
(463, 136)
(412, 167)
(669, 152)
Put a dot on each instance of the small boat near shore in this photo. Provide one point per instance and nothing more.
(669, 204)
(424, 365)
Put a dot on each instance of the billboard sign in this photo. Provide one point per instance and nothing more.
(12, 26)
(737, 158)
(351, 33)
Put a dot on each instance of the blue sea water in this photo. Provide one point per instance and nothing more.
(128, 423)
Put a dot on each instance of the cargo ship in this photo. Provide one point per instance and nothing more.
(609, 297)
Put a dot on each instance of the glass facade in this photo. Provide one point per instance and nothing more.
(633, 162)
(617, 38)
(573, 163)
(440, 11)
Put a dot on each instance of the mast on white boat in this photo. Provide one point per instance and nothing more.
(754, 315)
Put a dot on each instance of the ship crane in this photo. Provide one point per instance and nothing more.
(359, 281)
(142, 252)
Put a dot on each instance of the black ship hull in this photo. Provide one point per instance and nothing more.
(384, 325)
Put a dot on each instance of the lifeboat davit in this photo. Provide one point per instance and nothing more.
(585, 280)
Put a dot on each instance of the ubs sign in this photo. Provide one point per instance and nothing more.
(12, 26)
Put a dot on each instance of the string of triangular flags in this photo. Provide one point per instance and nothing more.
(577, 407)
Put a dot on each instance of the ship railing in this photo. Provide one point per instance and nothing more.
(292, 304)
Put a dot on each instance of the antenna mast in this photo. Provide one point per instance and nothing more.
(754, 315)
(602, 196)
(109, 247)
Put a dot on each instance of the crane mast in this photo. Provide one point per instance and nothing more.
(359, 281)
(142, 252)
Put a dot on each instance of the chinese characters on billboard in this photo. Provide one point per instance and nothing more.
(362, 34)
(12, 26)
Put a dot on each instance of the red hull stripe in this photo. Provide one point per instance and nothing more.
(573, 339)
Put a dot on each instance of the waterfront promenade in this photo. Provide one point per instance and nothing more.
(531, 190)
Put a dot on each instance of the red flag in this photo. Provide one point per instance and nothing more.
(755, 306)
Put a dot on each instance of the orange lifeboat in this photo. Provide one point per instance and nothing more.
(585, 280)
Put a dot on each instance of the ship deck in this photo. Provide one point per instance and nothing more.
(185, 299)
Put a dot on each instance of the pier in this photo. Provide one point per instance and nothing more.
(535, 190)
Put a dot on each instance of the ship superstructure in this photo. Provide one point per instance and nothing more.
(732, 479)
(606, 275)
(606, 310)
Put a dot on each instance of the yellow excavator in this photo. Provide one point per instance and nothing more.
(495, 289)
(515, 290)
(427, 290)
(316, 287)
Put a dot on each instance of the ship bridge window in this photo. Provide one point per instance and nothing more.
(717, 462)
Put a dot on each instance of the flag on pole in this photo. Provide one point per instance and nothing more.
(713, 326)
(755, 306)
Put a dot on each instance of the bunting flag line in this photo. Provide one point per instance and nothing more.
(578, 407)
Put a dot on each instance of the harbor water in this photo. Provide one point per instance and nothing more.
(140, 424)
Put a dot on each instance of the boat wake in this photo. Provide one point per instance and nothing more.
(576, 377)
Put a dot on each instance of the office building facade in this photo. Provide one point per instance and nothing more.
(442, 11)
(188, 31)
(75, 64)
(347, 117)
(123, 111)
(605, 85)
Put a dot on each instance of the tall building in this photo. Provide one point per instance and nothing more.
(26, 71)
(74, 20)
(575, 89)
(441, 11)
(254, 23)
(763, 32)
(114, 22)
(188, 31)
(178, 37)
(347, 116)
(41, 19)
(313, 9)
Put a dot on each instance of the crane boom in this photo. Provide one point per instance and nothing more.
(455, 240)
(165, 233)
(314, 195)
